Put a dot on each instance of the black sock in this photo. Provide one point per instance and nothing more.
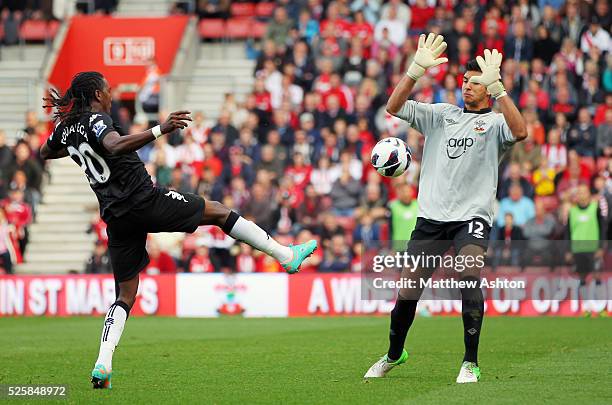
(401, 319)
(472, 311)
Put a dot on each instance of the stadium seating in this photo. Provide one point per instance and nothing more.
(212, 28)
(38, 30)
(264, 9)
(242, 9)
(258, 29)
(239, 28)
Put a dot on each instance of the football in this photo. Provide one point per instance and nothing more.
(391, 157)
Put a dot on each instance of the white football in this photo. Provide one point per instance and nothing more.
(391, 157)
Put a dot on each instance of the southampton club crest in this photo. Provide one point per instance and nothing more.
(479, 126)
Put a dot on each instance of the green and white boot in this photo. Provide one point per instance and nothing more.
(300, 253)
(383, 366)
(469, 373)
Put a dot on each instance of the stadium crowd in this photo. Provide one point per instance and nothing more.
(294, 155)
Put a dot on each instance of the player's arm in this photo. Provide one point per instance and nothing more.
(513, 117)
(491, 79)
(426, 56)
(53, 148)
(47, 153)
(116, 144)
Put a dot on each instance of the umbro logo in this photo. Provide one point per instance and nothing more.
(109, 321)
(451, 121)
(472, 331)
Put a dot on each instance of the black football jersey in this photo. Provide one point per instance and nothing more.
(120, 182)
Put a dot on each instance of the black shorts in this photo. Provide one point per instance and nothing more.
(435, 237)
(585, 262)
(166, 211)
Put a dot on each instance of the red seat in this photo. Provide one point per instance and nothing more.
(53, 27)
(33, 30)
(259, 29)
(242, 10)
(1, 32)
(239, 28)
(212, 28)
(265, 9)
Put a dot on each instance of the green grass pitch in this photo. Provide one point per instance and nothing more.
(313, 360)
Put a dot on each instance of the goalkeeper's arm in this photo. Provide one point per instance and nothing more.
(427, 55)
(400, 95)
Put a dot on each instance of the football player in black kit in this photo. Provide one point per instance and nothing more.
(130, 204)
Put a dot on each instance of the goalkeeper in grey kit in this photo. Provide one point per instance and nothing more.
(457, 186)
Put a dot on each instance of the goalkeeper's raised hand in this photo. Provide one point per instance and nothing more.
(427, 55)
(490, 77)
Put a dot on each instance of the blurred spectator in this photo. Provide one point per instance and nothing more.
(337, 258)
(372, 203)
(527, 154)
(515, 177)
(595, 36)
(200, 261)
(7, 251)
(544, 179)
(367, 232)
(19, 214)
(370, 9)
(521, 207)
(507, 252)
(390, 28)
(160, 261)
(259, 209)
(198, 130)
(403, 214)
(401, 10)
(98, 227)
(148, 95)
(308, 27)
(238, 165)
(518, 46)
(554, 152)
(225, 127)
(99, 262)
(345, 194)
(538, 232)
(29, 166)
(213, 8)
(328, 227)
(285, 216)
(583, 136)
(604, 137)
(278, 29)
(585, 229)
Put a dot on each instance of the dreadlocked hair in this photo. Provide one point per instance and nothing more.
(77, 99)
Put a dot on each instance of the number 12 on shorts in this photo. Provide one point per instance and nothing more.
(476, 228)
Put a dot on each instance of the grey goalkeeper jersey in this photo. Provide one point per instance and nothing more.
(461, 159)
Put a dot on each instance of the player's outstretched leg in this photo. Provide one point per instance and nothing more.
(402, 317)
(472, 311)
(290, 257)
(114, 323)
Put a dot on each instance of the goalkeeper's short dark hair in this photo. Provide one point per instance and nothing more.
(472, 65)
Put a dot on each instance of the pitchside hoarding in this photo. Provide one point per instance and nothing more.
(280, 295)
